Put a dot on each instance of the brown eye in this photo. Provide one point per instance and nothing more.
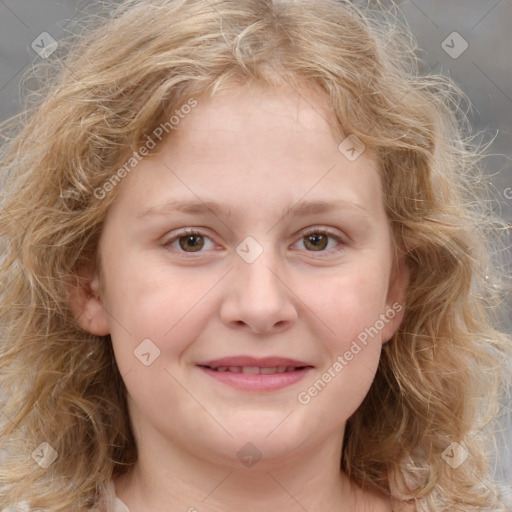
(316, 241)
(191, 243)
(325, 242)
(188, 241)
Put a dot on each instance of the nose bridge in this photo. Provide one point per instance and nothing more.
(254, 273)
(257, 296)
(257, 279)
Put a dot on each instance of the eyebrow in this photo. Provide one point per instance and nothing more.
(209, 207)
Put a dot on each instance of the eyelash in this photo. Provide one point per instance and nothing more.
(191, 232)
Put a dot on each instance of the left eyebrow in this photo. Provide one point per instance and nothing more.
(315, 207)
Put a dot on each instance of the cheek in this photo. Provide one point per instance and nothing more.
(350, 308)
(351, 303)
(168, 309)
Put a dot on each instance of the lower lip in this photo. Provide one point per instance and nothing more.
(251, 382)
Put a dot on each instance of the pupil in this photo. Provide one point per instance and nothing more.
(318, 241)
(195, 241)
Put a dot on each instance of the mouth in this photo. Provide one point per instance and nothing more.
(256, 370)
(256, 374)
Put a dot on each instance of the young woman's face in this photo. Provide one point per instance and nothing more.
(287, 267)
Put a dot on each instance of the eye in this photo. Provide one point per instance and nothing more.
(321, 240)
(188, 240)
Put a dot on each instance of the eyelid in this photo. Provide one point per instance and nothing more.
(322, 229)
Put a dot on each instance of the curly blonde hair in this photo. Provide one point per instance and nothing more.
(440, 378)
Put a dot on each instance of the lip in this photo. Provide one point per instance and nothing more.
(262, 362)
(256, 382)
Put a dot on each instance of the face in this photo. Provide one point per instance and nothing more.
(248, 279)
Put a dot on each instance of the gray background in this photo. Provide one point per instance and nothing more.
(483, 70)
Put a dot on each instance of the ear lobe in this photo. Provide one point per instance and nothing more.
(395, 303)
(86, 304)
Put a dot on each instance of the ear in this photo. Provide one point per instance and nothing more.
(395, 302)
(86, 303)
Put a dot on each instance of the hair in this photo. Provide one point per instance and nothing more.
(102, 94)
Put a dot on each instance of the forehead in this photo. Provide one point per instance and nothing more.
(248, 144)
(240, 108)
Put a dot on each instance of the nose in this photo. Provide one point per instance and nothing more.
(257, 298)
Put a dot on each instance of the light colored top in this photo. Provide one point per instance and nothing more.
(114, 504)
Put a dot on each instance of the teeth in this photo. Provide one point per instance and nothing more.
(251, 370)
(255, 370)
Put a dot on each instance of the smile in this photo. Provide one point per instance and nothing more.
(248, 373)
(256, 370)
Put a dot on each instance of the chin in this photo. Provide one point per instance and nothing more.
(270, 441)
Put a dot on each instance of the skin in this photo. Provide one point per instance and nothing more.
(259, 153)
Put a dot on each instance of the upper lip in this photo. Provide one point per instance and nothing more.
(261, 362)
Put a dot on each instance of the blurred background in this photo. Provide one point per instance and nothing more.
(469, 40)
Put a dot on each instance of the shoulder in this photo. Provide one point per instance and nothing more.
(110, 502)
(372, 501)
(402, 506)
(116, 504)
(379, 503)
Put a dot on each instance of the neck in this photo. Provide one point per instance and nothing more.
(176, 479)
